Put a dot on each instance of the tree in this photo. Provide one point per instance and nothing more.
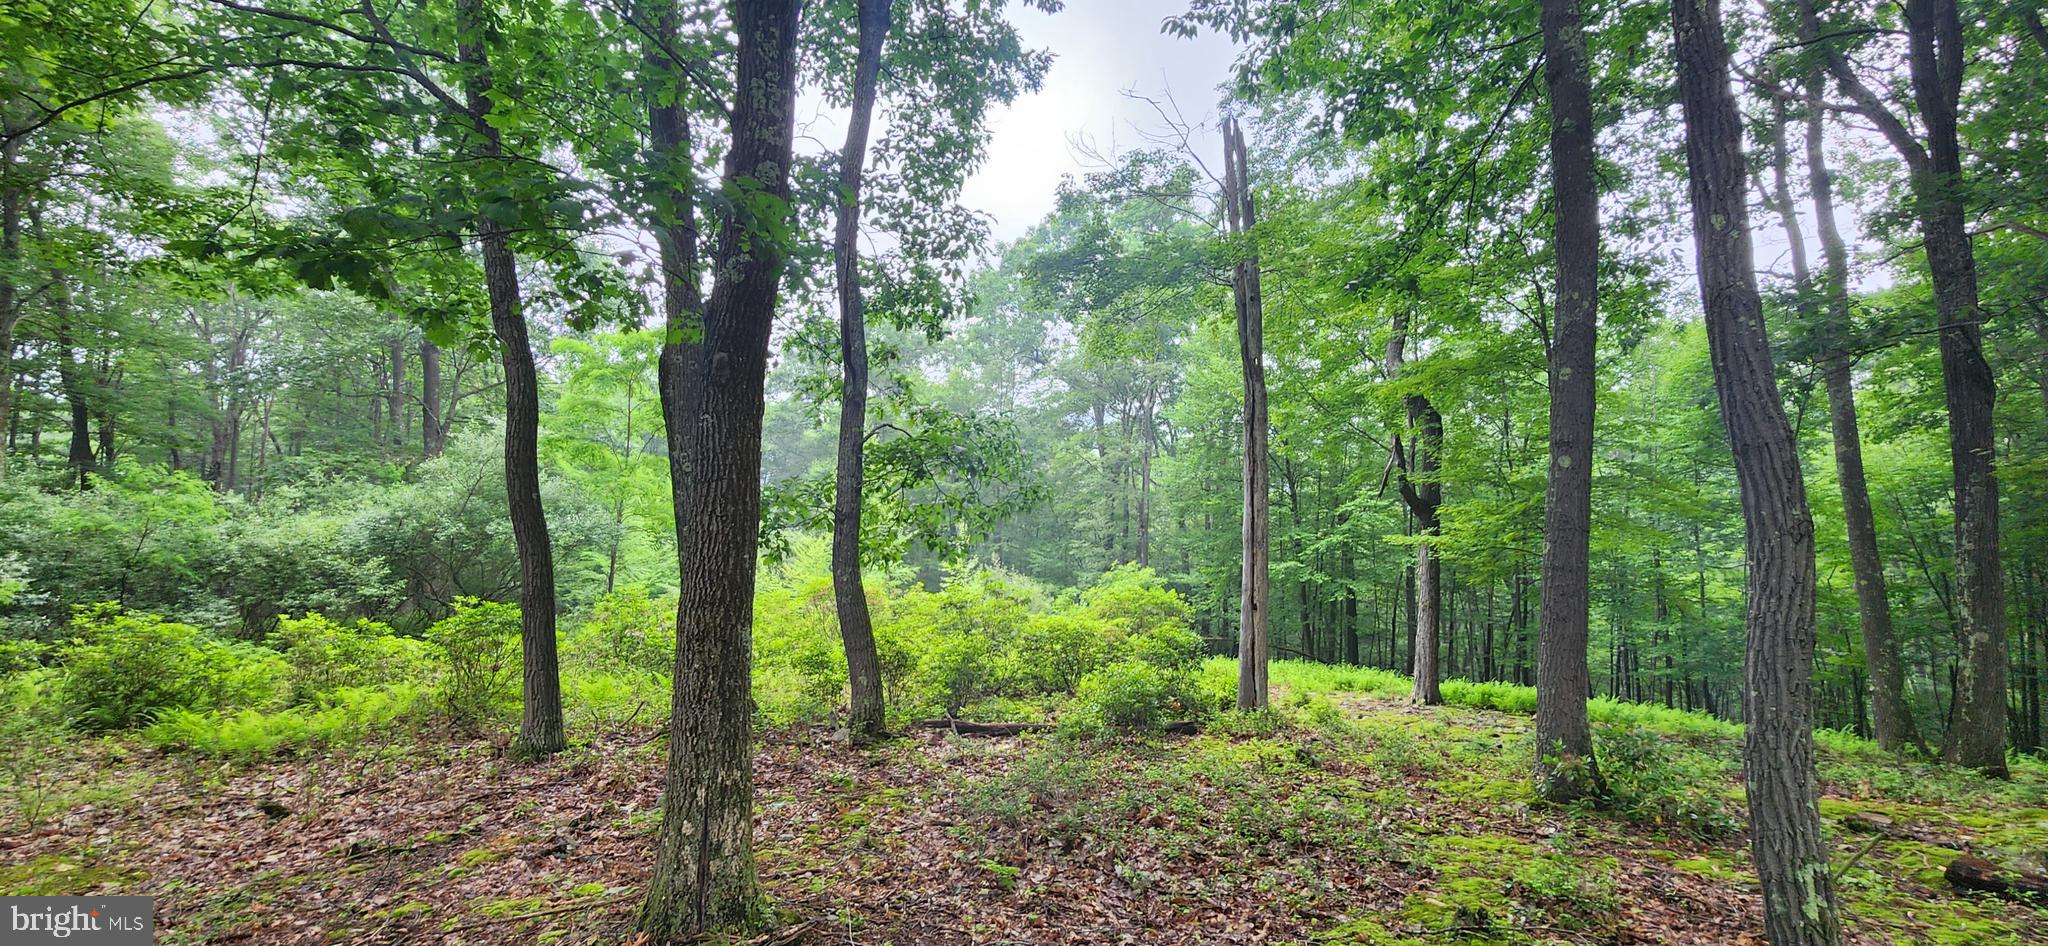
(856, 631)
(1565, 768)
(1255, 590)
(1893, 717)
(1935, 59)
(1778, 750)
(704, 864)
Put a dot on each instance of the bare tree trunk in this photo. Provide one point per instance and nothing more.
(1778, 751)
(80, 456)
(1978, 737)
(1894, 717)
(431, 433)
(1422, 491)
(1255, 587)
(1565, 769)
(1934, 31)
(703, 875)
(856, 631)
(541, 729)
(10, 312)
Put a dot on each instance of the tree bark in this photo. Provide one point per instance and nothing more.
(431, 433)
(1564, 765)
(1422, 491)
(79, 458)
(1976, 737)
(541, 730)
(1935, 42)
(1255, 587)
(1778, 750)
(856, 630)
(10, 313)
(1894, 727)
(704, 876)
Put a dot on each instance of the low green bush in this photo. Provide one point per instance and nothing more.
(1651, 779)
(125, 667)
(325, 655)
(1130, 696)
(627, 631)
(344, 717)
(1052, 652)
(480, 655)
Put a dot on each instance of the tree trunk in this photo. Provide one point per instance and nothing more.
(540, 724)
(1422, 492)
(856, 631)
(1778, 751)
(396, 396)
(1935, 40)
(703, 875)
(431, 433)
(1934, 31)
(1565, 769)
(10, 312)
(1894, 717)
(79, 457)
(1255, 588)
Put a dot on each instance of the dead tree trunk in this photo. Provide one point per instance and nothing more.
(1778, 751)
(1255, 588)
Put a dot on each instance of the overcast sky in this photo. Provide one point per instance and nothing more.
(1101, 49)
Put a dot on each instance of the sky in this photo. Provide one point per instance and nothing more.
(1102, 49)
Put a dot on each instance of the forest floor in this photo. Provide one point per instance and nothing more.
(1352, 819)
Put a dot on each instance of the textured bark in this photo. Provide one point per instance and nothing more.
(79, 457)
(395, 397)
(1255, 588)
(1976, 734)
(850, 599)
(540, 722)
(703, 875)
(1422, 491)
(431, 433)
(1778, 751)
(1977, 739)
(1564, 767)
(10, 313)
(1893, 728)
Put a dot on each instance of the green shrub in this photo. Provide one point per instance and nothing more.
(1651, 779)
(1052, 652)
(954, 671)
(627, 631)
(1126, 695)
(126, 666)
(325, 656)
(31, 730)
(344, 717)
(1138, 600)
(480, 651)
(1174, 648)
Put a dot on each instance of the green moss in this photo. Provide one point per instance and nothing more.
(54, 876)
